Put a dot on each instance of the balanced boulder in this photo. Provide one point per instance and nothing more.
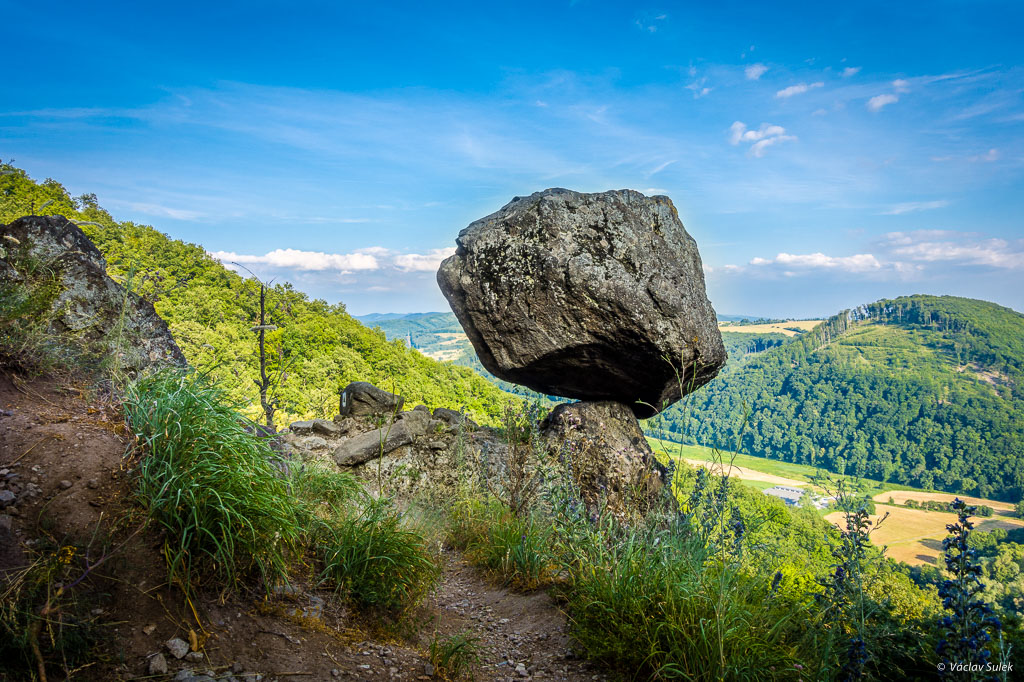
(589, 296)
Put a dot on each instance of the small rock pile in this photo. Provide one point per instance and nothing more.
(409, 451)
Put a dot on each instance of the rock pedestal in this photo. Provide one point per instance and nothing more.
(607, 454)
(589, 296)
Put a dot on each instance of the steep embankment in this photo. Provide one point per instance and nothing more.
(316, 349)
(922, 390)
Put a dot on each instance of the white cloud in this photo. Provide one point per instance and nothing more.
(914, 206)
(758, 148)
(878, 101)
(370, 258)
(901, 85)
(660, 167)
(294, 259)
(422, 262)
(755, 71)
(762, 138)
(798, 89)
(699, 88)
(861, 262)
(851, 71)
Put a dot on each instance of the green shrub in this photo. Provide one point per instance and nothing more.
(225, 508)
(41, 620)
(374, 559)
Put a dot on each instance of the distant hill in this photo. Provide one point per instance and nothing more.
(315, 350)
(921, 390)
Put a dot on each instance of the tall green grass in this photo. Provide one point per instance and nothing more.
(229, 513)
(374, 559)
(226, 511)
(515, 549)
(647, 603)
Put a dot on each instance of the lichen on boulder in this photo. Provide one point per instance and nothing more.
(588, 296)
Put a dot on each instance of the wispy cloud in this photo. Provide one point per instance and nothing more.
(798, 89)
(989, 156)
(755, 71)
(915, 206)
(955, 248)
(878, 101)
(650, 22)
(162, 211)
(761, 138)
(851, 71)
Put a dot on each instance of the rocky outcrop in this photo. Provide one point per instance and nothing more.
(379, 442)
(90, 310)
(605, 451)
(363, 399)
(589, 296)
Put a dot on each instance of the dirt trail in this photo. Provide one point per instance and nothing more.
(519, 635)
(62, 460)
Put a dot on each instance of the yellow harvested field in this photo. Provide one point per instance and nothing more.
(741, 473)
(915, 535)
(775, 327)
(901, 496)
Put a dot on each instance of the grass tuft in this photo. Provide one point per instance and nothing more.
(372, 557)
(453, 657)
(225, 509)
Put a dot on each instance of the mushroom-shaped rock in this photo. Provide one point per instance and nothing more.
(589, 296)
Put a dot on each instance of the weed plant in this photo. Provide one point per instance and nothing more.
(41, 621)
(515, 549)
(970, 624)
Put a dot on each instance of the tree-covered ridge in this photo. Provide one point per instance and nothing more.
(921, 390)
(316, 349)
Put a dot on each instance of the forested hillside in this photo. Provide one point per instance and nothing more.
(315, 349)
(922, 390)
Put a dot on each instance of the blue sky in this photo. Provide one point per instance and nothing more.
(821, 155)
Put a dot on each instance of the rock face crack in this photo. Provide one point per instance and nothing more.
(589, 296)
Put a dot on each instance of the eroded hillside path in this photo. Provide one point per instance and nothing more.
(63, 468)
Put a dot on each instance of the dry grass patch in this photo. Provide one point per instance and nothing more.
(770, 328)
(901, 497)
(915, 535)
